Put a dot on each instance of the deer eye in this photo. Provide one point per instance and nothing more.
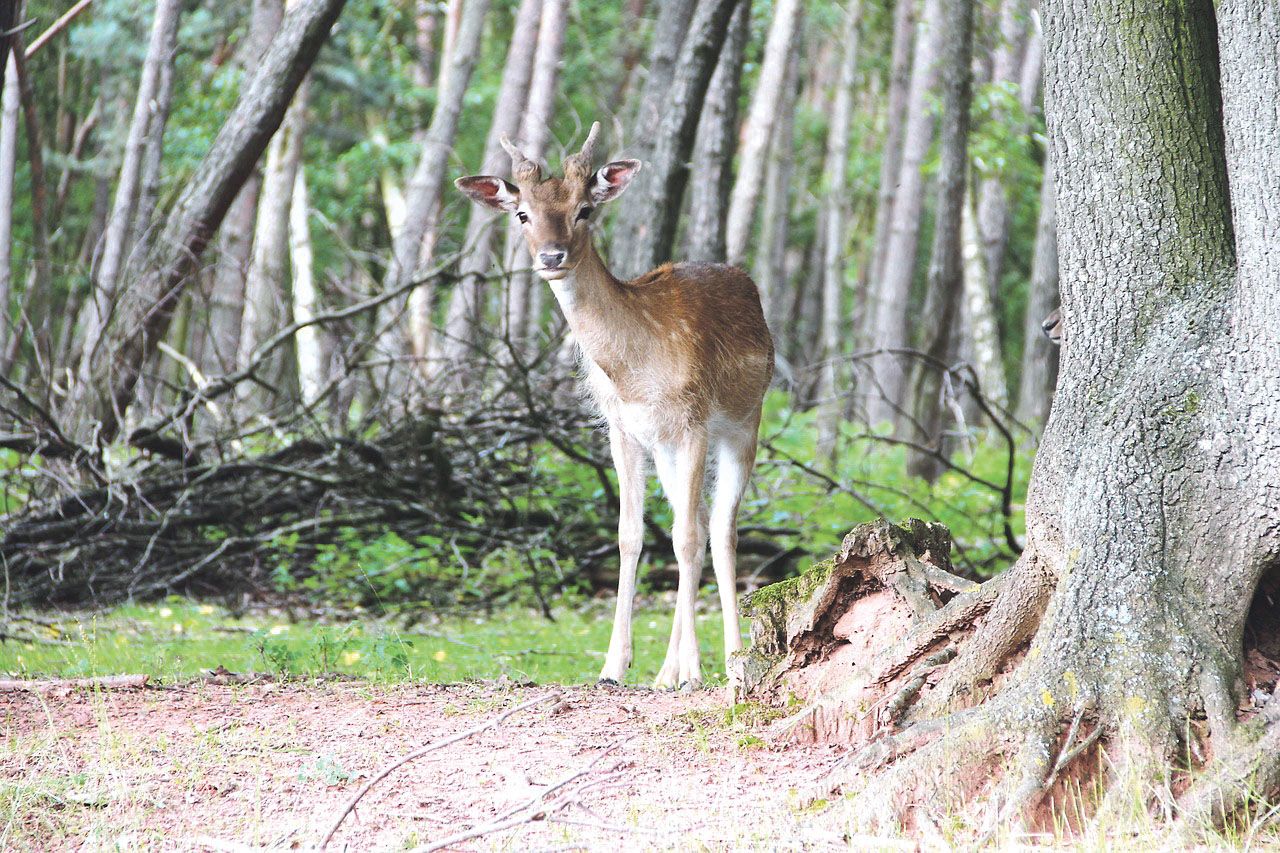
(522, 216)
(584, 214)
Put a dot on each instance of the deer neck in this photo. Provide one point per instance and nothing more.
(599, 311)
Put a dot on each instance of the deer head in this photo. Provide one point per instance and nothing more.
(555, 213)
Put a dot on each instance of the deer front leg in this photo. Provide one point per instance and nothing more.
(681, 470)
(628, 460)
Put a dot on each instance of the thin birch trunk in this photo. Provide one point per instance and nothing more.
(765, 109)
(835, 194)
(525, 297)
(891, 150)
(310, 357)
(775, 208)
(116, 240)
(713, 149)
(466, 305)
(423, 194)
(947, 280)
(891, 329)
(235, 238)
(153, 155)
(8, 165)
(980, 315)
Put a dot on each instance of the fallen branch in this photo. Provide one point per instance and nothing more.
(106, 682)
(400, 762)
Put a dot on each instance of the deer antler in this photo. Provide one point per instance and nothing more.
(524, 170)
(579, 165)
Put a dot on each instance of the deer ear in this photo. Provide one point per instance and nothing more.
(611, 179)
(490, 191)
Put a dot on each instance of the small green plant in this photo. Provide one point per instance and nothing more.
(324, 769)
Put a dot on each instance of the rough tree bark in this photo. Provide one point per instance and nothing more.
(834, 202)
(946, 283)
(113, 360)
(669, 33)
(766, 108)
(1039, 356)
(466, 305)
(716, 141)
(1153, 515)
(645, 227)
(891, 295)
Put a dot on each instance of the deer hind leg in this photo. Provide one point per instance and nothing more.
(628, 460)
(682, 470)
(735, 458)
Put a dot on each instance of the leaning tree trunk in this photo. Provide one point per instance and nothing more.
(891, 294)
(766, 108)
(466, 305)
(717, 138)
(1153, 514)
(116, 357)
(646, 225)
(1039, 355)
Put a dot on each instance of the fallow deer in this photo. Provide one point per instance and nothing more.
(677, 361)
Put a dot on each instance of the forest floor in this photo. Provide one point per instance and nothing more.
(207, 766)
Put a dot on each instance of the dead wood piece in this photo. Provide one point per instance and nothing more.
(106, 682)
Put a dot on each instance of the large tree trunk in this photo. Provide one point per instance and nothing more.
(669, 33)
(466, 307)
(1153, 513)
(834, 257)
(717, 139)
(646, 225)
(766, 108)
(946, 270)
(524, 296)
(890, 297)
(112, 361)
(235, 237)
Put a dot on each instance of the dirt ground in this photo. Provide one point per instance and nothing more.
(206, 766)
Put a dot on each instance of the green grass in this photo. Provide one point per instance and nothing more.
(180, 638)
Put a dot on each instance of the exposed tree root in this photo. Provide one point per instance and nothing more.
(1247, 772)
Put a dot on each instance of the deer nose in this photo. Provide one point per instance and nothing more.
(551, 258)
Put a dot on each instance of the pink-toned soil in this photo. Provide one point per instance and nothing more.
(215, 767)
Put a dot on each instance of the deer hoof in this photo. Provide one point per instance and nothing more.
(607, 683)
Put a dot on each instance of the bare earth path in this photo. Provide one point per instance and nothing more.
(216, 767)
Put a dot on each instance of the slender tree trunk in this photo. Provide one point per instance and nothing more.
(466, 307)
(235, 238)
(153, 155)
(116, 240)
(266, 287)
(993, 201)
(775, 209)
(422, 197)
(112, 361)
(717, 139)
(946, 271)
(891, 150)
(980, 315)
(892, 329)
(8, 164)
(834, 256)
(311, 373)
(766, 105)
(645, 227)
(525, 297)
(1039, 356)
